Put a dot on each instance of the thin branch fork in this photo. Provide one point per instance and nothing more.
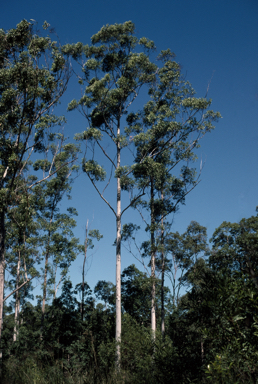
(17, 289)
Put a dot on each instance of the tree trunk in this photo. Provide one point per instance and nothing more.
(118, 261)
(44, 289)
(153, 264)
(17, 300)
(202, 344)
(45, 285)
(83, 269)
(162, 276)
(16, 318)
(2, 269)
(45, 278)
(202, 350)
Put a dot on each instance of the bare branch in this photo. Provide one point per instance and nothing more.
(45, 178)
(132, 202)
(105, 153)
(103, 198)
(17, 289)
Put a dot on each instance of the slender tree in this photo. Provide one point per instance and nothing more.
(88, 244)
(55, 228)
(21, 248)
(114, 72)
(33, 77)
(170, 127)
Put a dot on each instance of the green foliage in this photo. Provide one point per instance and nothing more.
(136, 294)
(94, 170)
(219, 310)
(33, 76)
(105, 291)
(113, 73)
(212, 330)
(137, 349)
(28, 89)
(55, 229)
(233, 366)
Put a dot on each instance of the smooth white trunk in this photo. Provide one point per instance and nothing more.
(83, 268)
(153, 266)
(2, 270)
(162, 277)
(202, 345)
(17, 301)
(118, 262)
(44, 293)
(45, 279)
(16, 320)
(153, 296)
(45, 285)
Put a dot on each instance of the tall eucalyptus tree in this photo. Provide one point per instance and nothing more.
(170, 127)
(33, 77)
(113, 72)
(55, 228)
(21, 250)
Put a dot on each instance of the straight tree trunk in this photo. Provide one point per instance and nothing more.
(45, 279)
(16, 318)
(17, 300)
(162, 276)
(118, 260)
(45, 286)
(2, 270)
(202, 345)
(202, 350)
(83, 269)
(153, 264)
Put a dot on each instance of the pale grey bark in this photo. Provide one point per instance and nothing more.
(45, 276)
(153, 265)
(17, 300)
(83, 268)
(118, 259)
(153, 297)
(202, 346)
(2, 270)
(16, 318)
(202, 350)
(45, 285)
(118, 214)
(162, 275)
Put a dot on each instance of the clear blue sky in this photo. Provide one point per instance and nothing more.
(215, 39)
